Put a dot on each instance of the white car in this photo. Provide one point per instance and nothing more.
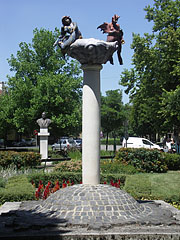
(137, 142)
(64, 144)
(78, 142)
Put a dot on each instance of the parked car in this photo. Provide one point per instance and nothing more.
(64, 144)
(21, 143)
(78, 142)
(30, 142)
(137, 142)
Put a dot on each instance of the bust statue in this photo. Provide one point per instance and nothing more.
(43, 122)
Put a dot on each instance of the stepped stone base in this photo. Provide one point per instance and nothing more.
(89, 212)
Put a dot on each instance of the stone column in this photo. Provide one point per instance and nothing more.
(44, 134)
(91, 124)
(91, 53)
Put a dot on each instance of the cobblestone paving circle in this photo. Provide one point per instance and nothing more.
(85, 204)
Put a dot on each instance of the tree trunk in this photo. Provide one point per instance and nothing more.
(107, 142)
(114, 144)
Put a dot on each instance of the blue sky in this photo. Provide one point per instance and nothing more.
(18, 19)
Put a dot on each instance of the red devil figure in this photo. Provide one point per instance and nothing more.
(115, 33)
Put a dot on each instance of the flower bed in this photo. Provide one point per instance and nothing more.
(44, 191)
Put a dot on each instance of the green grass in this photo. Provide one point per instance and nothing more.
(164, 186)
(110, 141)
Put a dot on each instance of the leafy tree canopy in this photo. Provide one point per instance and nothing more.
(156, 70)
(112, 112)
(43, 81)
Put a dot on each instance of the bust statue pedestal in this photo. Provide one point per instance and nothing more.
(44, 134)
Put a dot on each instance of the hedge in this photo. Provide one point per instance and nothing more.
(19, 159)
(172, 161)
(144, 160)
(17, 189)
(70, 176)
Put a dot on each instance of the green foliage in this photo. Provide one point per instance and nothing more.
(172, 161)
(170, 107)
(75, 154)
(2, 183)
(110, 167)
(112, 112)
(53, 176)
(110, 141)
(107, 167)
(19, 159)
(113, 177)
(69, 166)
(17, 189)
(144, 160)
(75, 177)
(43, 81)
(153, 81)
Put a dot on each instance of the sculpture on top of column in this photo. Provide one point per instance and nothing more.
(69, 34)
(90, 51)
(115, 33)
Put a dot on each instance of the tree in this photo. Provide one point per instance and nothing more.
(156, 67)
(6, 114)
(44, 81)
(112, 114)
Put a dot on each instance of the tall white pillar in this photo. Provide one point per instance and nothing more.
(91, 124)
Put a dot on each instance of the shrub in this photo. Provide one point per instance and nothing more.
(2, 183)
(172, 161)
(19, 159)
(17, 189)
(54, 176)
(69, 166)
(144, 160)
(113, 177)
(76, 178)
(12, 171)
(116, 167)
(75, 154)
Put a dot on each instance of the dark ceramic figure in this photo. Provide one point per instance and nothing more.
(115, 33)
(69, 34)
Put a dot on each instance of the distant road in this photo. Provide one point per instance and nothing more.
(103, 147)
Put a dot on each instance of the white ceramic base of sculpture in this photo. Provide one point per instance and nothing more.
(92, 51)
(91, 124)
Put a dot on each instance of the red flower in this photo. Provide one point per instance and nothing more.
(64, 185)
(112, 183)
